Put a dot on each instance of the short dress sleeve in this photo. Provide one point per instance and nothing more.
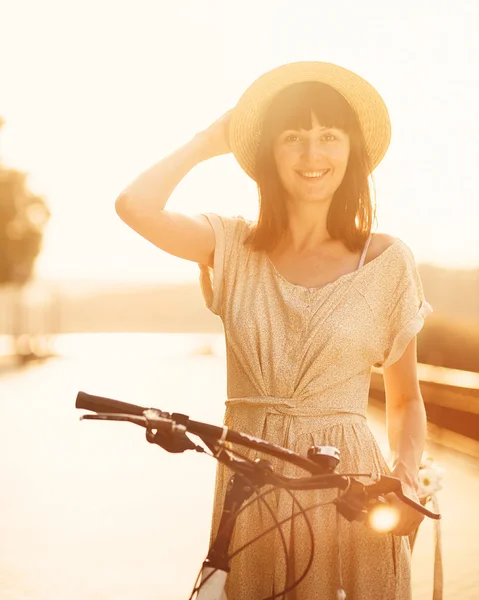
(230, 233)
(405, 308)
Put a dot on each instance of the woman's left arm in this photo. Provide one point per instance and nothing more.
(406, 427)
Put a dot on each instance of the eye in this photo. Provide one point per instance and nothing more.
(328, 137)
(292, 138)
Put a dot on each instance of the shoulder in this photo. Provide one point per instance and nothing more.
(393, 258)
(380, 242)
(393, 275)
(229, 224)
(230, 234)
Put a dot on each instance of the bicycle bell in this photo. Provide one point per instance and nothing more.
(326, 457)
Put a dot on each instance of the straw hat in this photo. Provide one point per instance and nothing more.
(247, 115)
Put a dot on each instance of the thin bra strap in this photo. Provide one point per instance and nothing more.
(365, 251)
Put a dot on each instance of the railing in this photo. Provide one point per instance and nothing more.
(31, 316)
(451, 399)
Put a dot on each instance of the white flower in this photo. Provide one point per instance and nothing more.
(430, 477)
(426, 460)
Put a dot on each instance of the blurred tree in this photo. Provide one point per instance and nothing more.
(23, 216)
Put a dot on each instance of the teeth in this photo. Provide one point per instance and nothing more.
(313, 174)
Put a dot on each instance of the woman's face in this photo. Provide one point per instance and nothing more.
(311, 164)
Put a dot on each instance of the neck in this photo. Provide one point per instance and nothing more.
(307, 226)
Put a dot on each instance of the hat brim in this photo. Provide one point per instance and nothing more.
(247, 116)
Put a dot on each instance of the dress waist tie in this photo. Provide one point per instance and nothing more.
(258, 407)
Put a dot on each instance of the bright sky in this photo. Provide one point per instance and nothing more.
(95, 91)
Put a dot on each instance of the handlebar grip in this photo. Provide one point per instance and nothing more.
(108, 405)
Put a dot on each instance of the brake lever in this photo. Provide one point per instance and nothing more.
(114, 417)
(151, 418)
(394, 485)
(160, 430)
(419, 507)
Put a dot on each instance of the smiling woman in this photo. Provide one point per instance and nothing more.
(301, 346)
(309, 128)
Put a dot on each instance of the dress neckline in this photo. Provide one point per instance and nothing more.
(338, 279)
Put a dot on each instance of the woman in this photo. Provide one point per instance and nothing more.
(310, 300)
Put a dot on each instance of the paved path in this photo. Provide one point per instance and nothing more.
(90, 511)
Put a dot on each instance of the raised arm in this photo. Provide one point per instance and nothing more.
(141, 205)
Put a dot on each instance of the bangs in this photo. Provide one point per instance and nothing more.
(291, 109)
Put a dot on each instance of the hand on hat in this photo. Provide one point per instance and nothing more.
(215, 137)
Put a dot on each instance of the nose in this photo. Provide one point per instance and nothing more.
(313, 150)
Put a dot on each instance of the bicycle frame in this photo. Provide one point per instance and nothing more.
(215, 568)
(214, 587)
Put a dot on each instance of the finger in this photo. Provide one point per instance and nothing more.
(407, 526)
(409, 521)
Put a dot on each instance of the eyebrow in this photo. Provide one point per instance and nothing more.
(316, 129)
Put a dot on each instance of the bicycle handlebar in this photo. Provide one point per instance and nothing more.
(108, 405)
(152, 418)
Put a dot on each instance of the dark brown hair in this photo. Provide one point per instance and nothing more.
(352, 212)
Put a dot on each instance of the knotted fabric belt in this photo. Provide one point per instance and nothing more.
(253, 411)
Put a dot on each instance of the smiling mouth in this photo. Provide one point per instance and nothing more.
(313, 175)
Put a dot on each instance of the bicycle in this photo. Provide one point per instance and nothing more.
(355, 500)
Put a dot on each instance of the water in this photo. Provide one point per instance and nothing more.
(91, 511)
